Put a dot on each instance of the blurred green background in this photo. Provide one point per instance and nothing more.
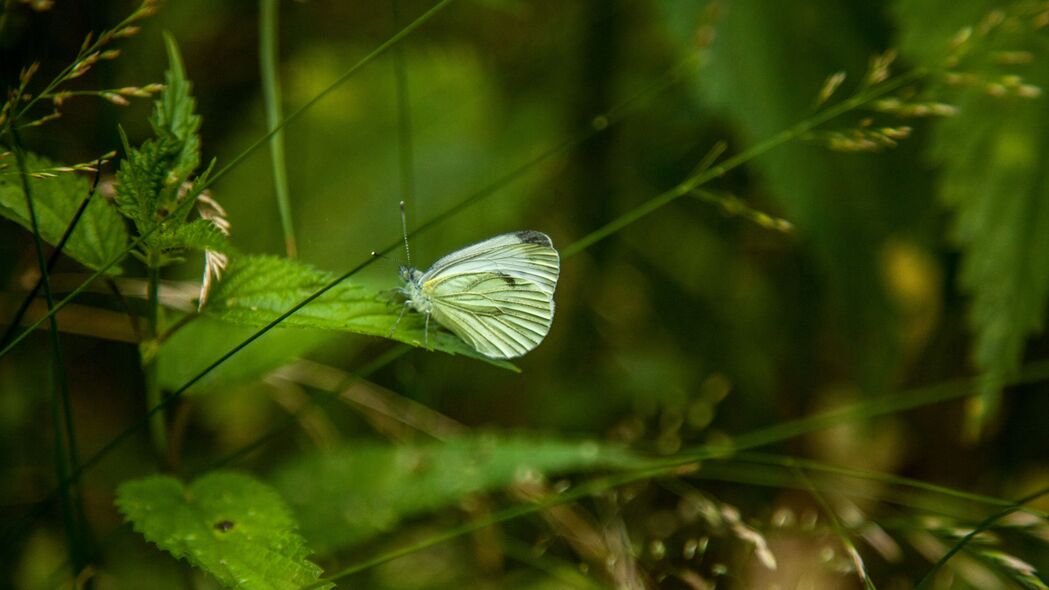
(909, 266)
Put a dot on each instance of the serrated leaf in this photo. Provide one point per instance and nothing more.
(226, 523)
(144, 182)
(993, 159)
(152, 178)
(100, 235)
(173, 113)
(361, 490)
(199, 234)
(257, 289)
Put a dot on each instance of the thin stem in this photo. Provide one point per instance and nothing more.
(700, 177)
(65, 73)
(136, 329)
(271, 97)
(983, 526)
(66, 455)
(839, 529)
(886, 478)
(158, 423)
(182, 322)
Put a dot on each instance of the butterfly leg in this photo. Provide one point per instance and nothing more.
(426, 332)
(404, 308)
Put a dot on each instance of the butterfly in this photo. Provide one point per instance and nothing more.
(497, 295)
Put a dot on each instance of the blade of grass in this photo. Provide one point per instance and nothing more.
(704, 175)
(158, 425)
(983, 526)
(875, 476)
(838, 528)
(66, 454)
(271, 97)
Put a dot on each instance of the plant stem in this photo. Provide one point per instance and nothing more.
(271, 97)
(66, 457)
(157, 425)
(703, 176)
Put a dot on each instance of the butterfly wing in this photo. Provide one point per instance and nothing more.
(524, 255)
(497, 295)
(499, 315)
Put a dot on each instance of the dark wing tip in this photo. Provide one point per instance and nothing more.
(534, 237)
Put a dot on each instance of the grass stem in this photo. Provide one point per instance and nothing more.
(271, 97)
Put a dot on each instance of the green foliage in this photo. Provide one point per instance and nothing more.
(196, 346)
(361, 490)
(257, 289)
(228, 524)
(199, 234)
(173, 115)
(143, 182)
(994, 160)
(765, 73)
(154, 186)
(100, 235)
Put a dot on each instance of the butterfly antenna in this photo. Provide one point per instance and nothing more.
(404, 231)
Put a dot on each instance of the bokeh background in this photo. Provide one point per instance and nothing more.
(913, 265)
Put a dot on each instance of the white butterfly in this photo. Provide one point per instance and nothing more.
(497, 295)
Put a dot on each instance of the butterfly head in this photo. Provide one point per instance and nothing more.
(410, 275)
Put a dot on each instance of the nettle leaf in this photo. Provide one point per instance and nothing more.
(100, 235)
(994, 161)
(361, 490)
(174, 113)
(144, 180)
(199, 234)
(257, 289)
(228, 524)
(154, 179)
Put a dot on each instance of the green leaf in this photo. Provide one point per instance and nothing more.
(199, 234)
(361, 490)
(144, 181)
(228, 524)
(100, 235)
(257, 289)
(994, 160)
(194, 347)
(151, 177)
(173, 113)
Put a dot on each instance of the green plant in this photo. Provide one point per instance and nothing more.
(656, 491)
